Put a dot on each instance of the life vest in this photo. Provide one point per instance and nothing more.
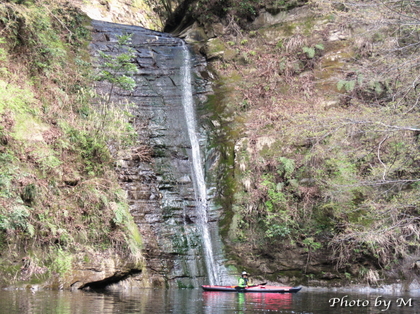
(242, 282)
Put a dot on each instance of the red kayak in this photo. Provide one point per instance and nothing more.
(256, 288)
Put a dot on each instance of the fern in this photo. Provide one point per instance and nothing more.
(340, 84)
(310, 51)
(348, 85)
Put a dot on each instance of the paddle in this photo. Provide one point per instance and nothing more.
(260, 284)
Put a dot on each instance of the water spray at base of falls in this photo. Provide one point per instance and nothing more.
(197, 165)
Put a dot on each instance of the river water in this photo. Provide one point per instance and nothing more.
(195, 301)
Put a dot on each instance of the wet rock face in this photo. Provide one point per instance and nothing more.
(160, 192)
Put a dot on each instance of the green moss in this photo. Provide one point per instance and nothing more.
(15, 98)
(28, 128)
(133, 229)
(308, 25)
(215, 47)
(180, 243)
(181, 285)
(57, 186)
(8, 272)
(278, 31)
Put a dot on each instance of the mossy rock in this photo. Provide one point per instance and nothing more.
(215, 48)
(194, 34)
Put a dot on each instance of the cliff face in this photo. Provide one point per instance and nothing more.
(157, 173)
(310, 121)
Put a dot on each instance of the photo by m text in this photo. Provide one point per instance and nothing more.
(379, 302)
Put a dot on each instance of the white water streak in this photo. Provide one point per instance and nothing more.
(200, 184)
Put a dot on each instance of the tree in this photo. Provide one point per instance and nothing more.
(118, 69)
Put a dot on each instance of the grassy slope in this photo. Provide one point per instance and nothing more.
(59, 194)
(327, 159)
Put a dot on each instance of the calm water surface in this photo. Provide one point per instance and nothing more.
(195, 301)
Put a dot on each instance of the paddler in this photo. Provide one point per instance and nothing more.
(244, 281)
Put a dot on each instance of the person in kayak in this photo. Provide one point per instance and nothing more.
(244, 281)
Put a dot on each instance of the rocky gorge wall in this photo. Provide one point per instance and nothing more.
(285, 85)
(288, 65)
(157, 174)
(280, 82)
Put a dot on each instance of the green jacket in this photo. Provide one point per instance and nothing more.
(243, 282)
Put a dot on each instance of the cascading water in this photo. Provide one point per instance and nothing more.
(168, 197)
(197, 165)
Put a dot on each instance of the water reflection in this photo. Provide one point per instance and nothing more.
(246, 302)
(195, 301)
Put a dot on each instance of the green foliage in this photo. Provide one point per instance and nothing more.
(56, 187)
(37, 36)
(29, 193)
(121, 214)
(93, 151)
(277, 231)
(15, 98)
(311, 245)
(47, 160)
(112, 119)
(279, 218)
(3, 57)
(276, 198)
(181, 285)
(347, 178)
(17, 221)
(116, 69)
(245, 7)
(74, 23)
(348, 85)
(112, 124)
(62, 262)
(24, 2)
(311, 51)
(5, 184)
(286, 167)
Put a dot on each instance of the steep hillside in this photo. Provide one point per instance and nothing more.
(62, 212)
(316, 114)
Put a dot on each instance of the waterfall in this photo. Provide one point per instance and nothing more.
(197, 165)
(168, 198)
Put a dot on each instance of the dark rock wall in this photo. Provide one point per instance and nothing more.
(160, 192)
